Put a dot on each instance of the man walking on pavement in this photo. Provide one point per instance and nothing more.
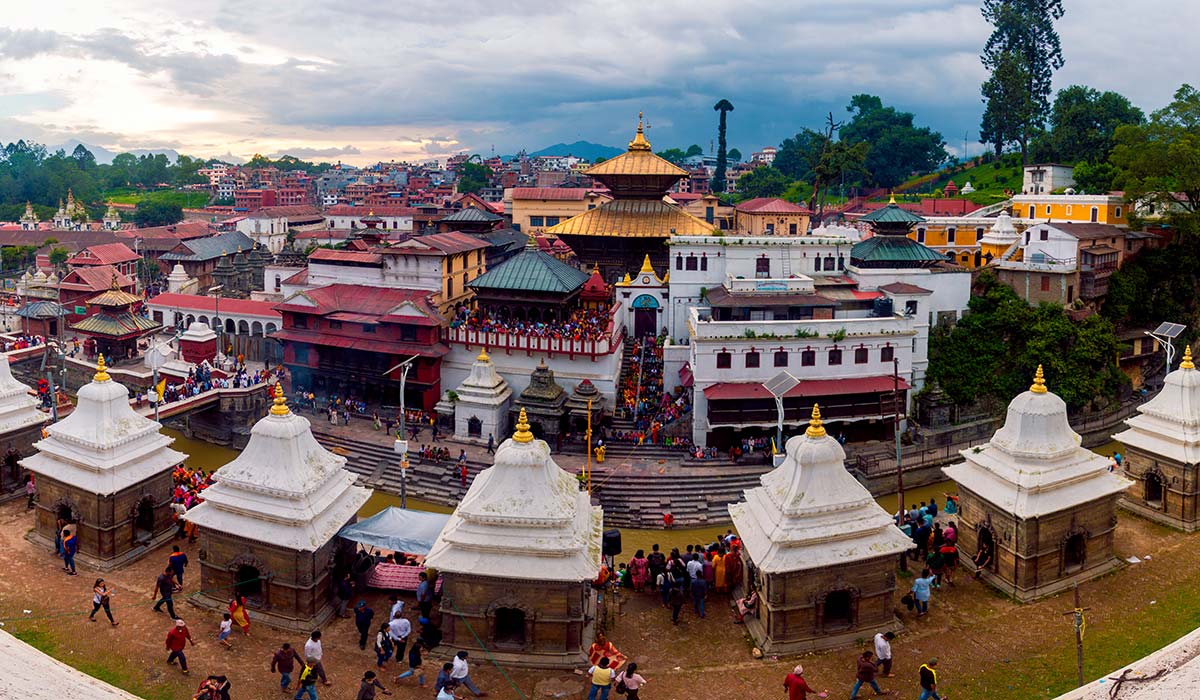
(929, 680)
(177, 639)
(883, 652)
(362, 620)
(314, 652)
(164, 591)
(491, 444)
(461, 673)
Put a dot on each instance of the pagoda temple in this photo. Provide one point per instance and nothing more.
(111, 326)
(819, 550)
(1162, 451)
(20, 426)
(517, 558)
(482, 406)
(268, 526)
(890, 247)
(1043, 505)
(617, 234)
(107, 470)
(596, 295)
(546, 401)
(531, 286)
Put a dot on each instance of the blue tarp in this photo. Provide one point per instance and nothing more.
(397, 529)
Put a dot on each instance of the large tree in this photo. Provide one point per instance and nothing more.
(718, 182)
(157, 214)
(473, 177)
(1082, 124)
(1022, 54)
(763, 181)
(818, 158)
(897, 147)
(1159, 161)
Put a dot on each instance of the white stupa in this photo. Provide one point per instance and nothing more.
(178, 279)
(1168, 425)
(103, 446)
(523, 518)
(1035, 465)
(18, 409)
(810, 513)
(484, 396)
(284, 489)
(1002, 234)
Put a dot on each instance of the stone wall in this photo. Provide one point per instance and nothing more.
(1179, 485)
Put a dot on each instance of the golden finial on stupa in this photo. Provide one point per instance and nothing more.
(280, 408)
(647, 267)
(101, 371)
(639, 142)
(1039, 382)
(1187, 359)
(816, 429)
(522, 435)
(892, 198)
(483, 356)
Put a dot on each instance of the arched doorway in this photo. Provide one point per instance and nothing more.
(474, 427)
(65, 512)
(1154, 490)
(987, 547)
(645, 315)
(838, 610)
(1074, 552)
(143, 520)
(509, 628)
(248, 582)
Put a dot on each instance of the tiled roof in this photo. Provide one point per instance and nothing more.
(904, 288)
(40, 309)
(207, 304)
(183, 229)
(532, 271)
(1089, 231)
(211, 248)
(633, 218)
(94, 278)
(118, 325)
(770, 205)
(806, 389)
(295, 211)
(103, 254)
(387, 303)
(350, 256)
(449, 243)
(114, 297)
(348, 210)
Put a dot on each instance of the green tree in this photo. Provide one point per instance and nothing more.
(675, 155)
(1159, 161)
(83, 157)
(897, 147)
(735, 155)
(718, 182)
(693, 150)
(1095, 178)
(473, 177)
(1082, 124)
(797, 155)
(763, 181)
(151, 213)
(58, 255)
(1022, 54)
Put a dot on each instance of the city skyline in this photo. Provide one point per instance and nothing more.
(361, 85)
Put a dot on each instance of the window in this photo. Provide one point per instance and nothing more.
(300, 322)
(829, 263)
(1047, 210)
(1044, 235)
(808, 358)
(1069, 210)
(334, 325)
(691, 262)
(921, 235)
(724, 360)
(368, 328)
(703, 262)
(449, 286)
(1070, 293)
(792, 227)
(860, 356)
(978, 234)
(408, 333)
(301, 354)
(781, 358)
(835, 356)
(552, 221)
(887, 354)
(1095, 215)
(752, 359)
(537, 221)
(950, 232)
(770, 229)
(708, 214)
(1045, 283)
(910, 307)
(841, 262)
(762, 267)
(1117, 212)
(1032, 211)
(678, 262)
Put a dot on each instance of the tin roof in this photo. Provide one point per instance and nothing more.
(532, 271)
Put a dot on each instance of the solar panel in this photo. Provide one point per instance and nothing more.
(780, 384)
(1169, 330)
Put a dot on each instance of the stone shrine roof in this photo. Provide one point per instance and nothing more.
(811, 513)
(284, 489)
(103, 446)
(523, 518)
(1168, 425)
(18, 409)
(1034, 465)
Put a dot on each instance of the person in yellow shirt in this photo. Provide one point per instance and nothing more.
(602, 677)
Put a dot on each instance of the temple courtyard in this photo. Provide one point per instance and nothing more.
(988, 646)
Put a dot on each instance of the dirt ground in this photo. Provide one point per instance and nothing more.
(988, 646)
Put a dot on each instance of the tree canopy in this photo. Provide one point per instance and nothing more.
(897, 148)
(473, 177)
(1083, 122)
(993, 351)
(152, 213)
(763, 181)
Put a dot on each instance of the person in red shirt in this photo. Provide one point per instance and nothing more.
(798, 688)
(177, 639)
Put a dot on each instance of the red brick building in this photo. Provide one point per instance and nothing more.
(349, 339)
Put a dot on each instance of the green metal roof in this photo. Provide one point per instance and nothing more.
(893, 249)
(532, 271)
(471, 215)
(892, 214)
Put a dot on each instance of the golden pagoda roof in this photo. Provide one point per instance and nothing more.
(638, 160)
(633, 218)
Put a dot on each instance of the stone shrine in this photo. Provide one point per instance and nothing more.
(819, 550)
(268, 526)
(1162, 451)
(544, 401)
(482, 406)
(107, 470)
(518, 556)
(1043, 504)
(20, 426)
(577, 406)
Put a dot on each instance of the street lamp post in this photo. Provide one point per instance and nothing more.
(403, 367)
(779, 386)
(216, 290)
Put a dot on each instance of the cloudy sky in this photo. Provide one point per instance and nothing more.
(363, 81)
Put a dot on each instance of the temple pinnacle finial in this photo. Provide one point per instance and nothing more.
(1187, 359)
(522, 435)
(483, 356)
(101, 371)
(639, 142)
(816, 429)
(1039, 382)
(892, 198)
(280, 408)
(647, 267)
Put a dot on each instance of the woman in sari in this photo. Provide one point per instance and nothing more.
(639, 568)
(733, 567)
(604, 649)
(237, 611)
(718, 562)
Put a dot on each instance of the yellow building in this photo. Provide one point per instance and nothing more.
(447, 262)
(535, 209)
(1071, 209)
(771, 216)
(960, 238)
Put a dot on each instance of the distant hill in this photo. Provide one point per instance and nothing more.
(580, 149)
(105, 156)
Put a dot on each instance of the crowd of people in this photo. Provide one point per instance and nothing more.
(23, 341)
(641, 399)
(189, 485)
(582, 324)
(200, 379)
